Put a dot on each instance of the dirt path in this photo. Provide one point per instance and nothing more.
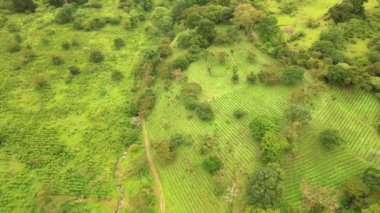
(153, 168)
(119, 186)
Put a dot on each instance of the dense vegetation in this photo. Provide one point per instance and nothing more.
(250, 106)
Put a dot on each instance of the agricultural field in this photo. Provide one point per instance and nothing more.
(189, 106)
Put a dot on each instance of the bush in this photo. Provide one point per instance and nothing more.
(293, 75)
(261, 125)
(40, 81)
(178, 140)
(269, 77)
(371, 178)
(180, 62)
(165, 50)
(272, 147)
(212, 164)
(74, 70)
(66, 45)
(65, 14)
(117, 75)
(13, 47)
(204, 112)
(251, 78)
(96, 56)
(239, 113)
(94, 24)
(119, 43)
(57, 60)
(23, 5)
(298, 113)
(330, 138)
(338, 75)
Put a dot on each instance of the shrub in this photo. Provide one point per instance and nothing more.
(119, 43)
(251, 78)
(293, 75)
(354, 194)
(262, 124)
(65, 45)
(297, 113)
(94, 24)
(239, 113)
(23, 5)
(177, 140)
(165, 154)
(251, 57)
(235, 77)
(269, 77)
(117, 75)
(57, 60)
(165, 50)
(212, 164)
(40, 81)
(190, 102)
(13, 47)
(65, 14)
(272, 146)
(204, 112)
(330, 138)
(96, 56)
(180, 62)
(74, 70)
(338, 75)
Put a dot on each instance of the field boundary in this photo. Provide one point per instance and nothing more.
(153, 169)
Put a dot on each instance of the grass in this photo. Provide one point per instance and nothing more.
(72, 121)
(353, 114)
(192, 191)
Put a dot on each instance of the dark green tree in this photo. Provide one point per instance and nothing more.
(264, 188)
(330, 138)
(65, 14)
(24, 5)
(204, 112)
(261, 125)
(212, 164)
(267, 28)
(293, 75)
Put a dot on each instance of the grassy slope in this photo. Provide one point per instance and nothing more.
(192, 191)
(85, 116)
(352, 113)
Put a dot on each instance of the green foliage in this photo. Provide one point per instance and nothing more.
(204, 112)
(272, 147)
(65, 14)
(40, 82)
(372, 209)
(165, 24)
(13, 47)
(23, 5)
(347, 9)
(74, 70)
(96, 56)
(165, 154)
(293, 75)
(206, 29)
(264, 188)
(177, 140)
(251, 78)
(330, 138)
(60, 3)
(261, 125)
(118, 43)
(181, 62)
(371, 177)
(338, 75)
(354, 195)
(212, 164)
(268, 28)
(269, 76)
(117, 75)
(298, 113)
(239, 113)
(57, 60)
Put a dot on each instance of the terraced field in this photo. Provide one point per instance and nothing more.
(352, 113)
(187, 187)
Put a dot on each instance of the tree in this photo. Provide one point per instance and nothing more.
(192, 20)
(246, 15)
(267, 28)
(24, 5)
(272, 146)
(165, 154)
(269, 77)
(261, 125)
(165, 24)
(204, 112)
(338, 75)
(298, 113)
(65, 14)
(239, 113)
(181, 62)
(206, 29)
(330, 138)
(347, 9)
(264, 187)
(371, 177)
(318, 199)
(354, 195)
(293, 75)
(212, 164)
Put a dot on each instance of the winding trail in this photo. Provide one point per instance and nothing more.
(153, 168)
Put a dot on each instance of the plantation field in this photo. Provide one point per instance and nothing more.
(352, 113)
(187, 187)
